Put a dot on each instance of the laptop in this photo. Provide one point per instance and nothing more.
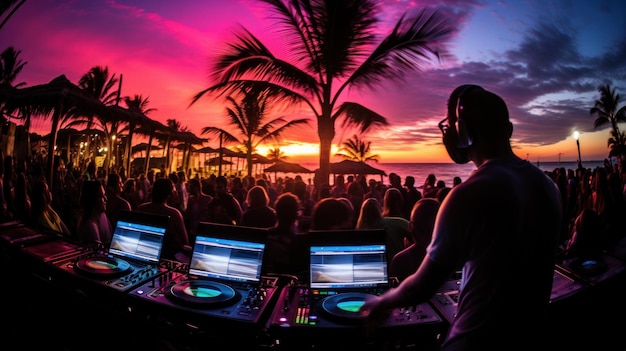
(226, 263)
(232, 255)
(137, 242)
(347, 261)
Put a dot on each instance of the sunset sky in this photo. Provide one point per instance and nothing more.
(545, 58)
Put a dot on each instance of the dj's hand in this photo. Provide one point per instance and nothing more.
(375, 311)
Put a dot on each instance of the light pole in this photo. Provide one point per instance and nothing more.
(576, 136)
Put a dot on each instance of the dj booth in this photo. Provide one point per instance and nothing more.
(64, 296)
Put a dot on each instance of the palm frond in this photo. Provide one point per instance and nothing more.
(412, 43)
(357, 115)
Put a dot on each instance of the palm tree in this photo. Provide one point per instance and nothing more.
(606, 109)
(330, 42)
(138, 105)
(357, 150)
(99, 82)
(276, 155)
(249, 116)
(166, 139)
(10, 66)
(615, 148)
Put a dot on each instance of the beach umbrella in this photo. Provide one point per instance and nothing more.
(144, 147)
(355, 168)
(287, 167)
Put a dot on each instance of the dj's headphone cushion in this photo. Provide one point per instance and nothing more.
(465, 136)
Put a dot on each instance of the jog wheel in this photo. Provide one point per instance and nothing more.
(345, 307)
(202, 294)
(102, 267)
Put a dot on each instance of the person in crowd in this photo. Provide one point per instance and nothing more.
(43, 215)
(331, 213)
(456, 181)
(224, 208)
(410, 194)
(373, 190)
(340, 187)
(94, 228)
(21, 199)
(503, 221)
(8, 182)
(606, 207)
(421, 227)
(197, 208)
(269, 189)
(355, 196)
(239, 192)
(175, 198)
(352, 212)
(258, 212)
(130, 193)
(90, 172)
(587, 236)
(143, 187)
(176, 245)
(396, 226)
(429, 189)
(284, 253)
(181, 191)
(395, 181)
(370, 215)
(443, 192)
(115, 201)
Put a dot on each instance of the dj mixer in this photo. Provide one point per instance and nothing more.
(309, 316)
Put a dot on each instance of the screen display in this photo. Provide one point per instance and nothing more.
(137, 241)
(348, 266)
(227, 259)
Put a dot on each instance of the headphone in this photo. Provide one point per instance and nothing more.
(465, 139)
(458, 138)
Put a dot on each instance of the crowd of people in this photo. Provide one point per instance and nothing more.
(509, 196)
(76, 205)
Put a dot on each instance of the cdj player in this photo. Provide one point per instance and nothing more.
(132, 258)
(221, 288)
(345, 268)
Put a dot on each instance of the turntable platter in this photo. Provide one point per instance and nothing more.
(203, 294)
(345, 306)
(102, 266)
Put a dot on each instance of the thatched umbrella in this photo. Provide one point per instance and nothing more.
(355, 168)
(57, 97)
(287, 167)
(144, 147)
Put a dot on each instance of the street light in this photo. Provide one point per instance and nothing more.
(576, 135)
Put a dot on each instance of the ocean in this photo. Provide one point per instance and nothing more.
(446, 171)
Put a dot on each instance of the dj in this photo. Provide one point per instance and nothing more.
(501, 225)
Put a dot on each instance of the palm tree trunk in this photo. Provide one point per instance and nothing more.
(147, 160)
(326, 133)
(129, 143)
(53, 140)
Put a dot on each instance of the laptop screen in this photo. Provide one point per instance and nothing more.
(139, 236)
(348, 260)
(230, 253)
